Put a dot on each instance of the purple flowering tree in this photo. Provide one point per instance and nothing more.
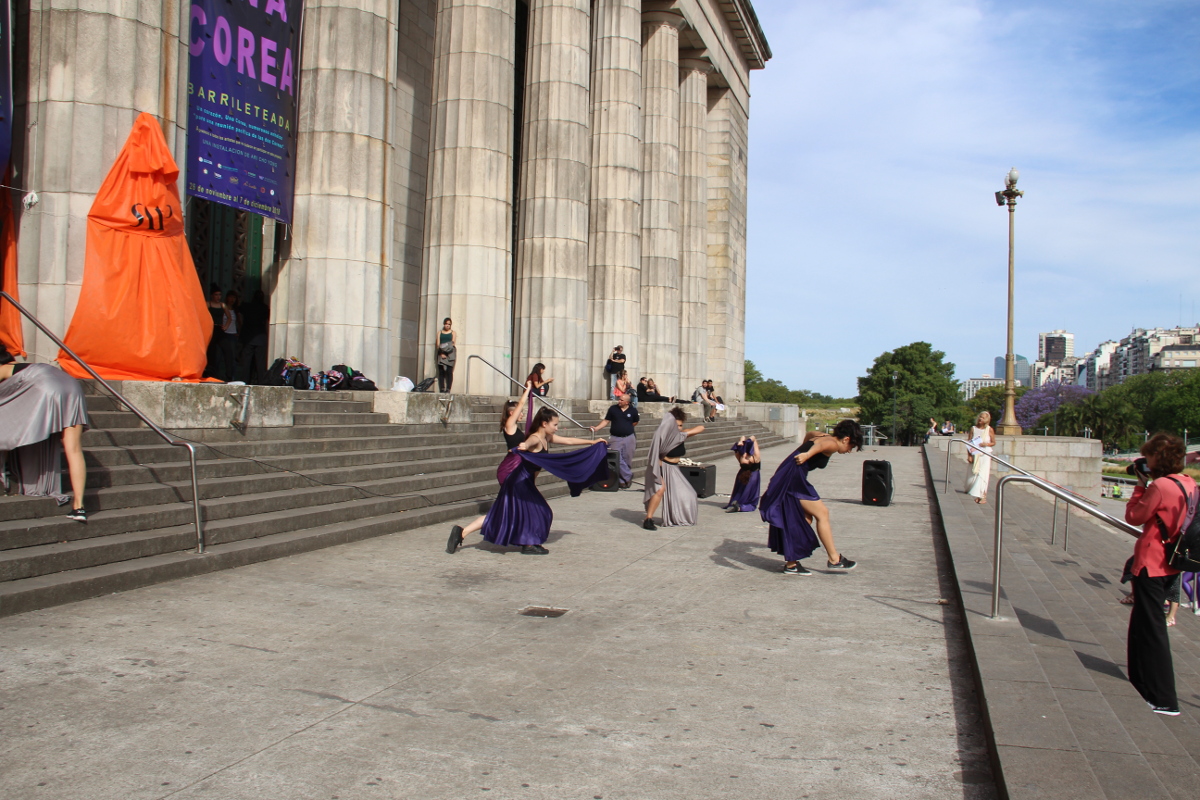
(1036, 403)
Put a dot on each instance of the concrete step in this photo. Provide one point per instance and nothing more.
(339, 418)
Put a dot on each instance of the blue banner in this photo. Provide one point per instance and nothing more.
(243, 74)
(6, 84)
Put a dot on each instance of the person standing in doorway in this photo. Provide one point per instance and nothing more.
(447, 355)
(624, 418)
(256, 315)
(229, 335)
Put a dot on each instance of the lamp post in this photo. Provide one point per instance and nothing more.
(1009, 425)
(895, 438)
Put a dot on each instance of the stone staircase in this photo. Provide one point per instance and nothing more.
(1064, 719)
(342, 473)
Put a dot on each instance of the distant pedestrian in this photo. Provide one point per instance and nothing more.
(624, 418)
(747, 484)
(1161, 508)
(447, 354)
(791, 505)
(709, 405)
(981, 442)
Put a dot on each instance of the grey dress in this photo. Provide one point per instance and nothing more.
(679, 503)
(35, 404)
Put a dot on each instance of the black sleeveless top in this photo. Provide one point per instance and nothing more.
(514, 439)
(678, 451)
(755, 467)
(816, 462)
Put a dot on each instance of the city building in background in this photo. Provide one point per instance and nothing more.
(1020, 369)
(1056, 346)
(557, 177)
(971, 386)
(1176, 356)
(1138, 353)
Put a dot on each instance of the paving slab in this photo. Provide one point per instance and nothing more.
(686, 666)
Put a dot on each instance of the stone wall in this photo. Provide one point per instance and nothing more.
(1067, 461)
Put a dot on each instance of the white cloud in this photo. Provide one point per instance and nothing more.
(881, 130)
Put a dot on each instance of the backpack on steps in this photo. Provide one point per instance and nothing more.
(1185, 554)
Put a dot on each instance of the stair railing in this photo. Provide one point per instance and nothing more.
(520, 386)
(168, 438)
(981, 452)
(1070, 498)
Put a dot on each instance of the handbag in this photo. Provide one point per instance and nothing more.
(1185, 555)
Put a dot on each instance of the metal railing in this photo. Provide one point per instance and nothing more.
(168, 438)
(520, 386)
(1013, 467)
(1059, 493)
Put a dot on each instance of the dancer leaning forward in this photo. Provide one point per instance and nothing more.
(520, 516)
(791, 504)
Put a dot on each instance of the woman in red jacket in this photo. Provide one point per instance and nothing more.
(1161, 508)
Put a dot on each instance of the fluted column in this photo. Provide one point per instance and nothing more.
(660, 199)
(467, 265)
(552, 246)
(615, 223)
(693, 207)
(728, 142)
(331, 302)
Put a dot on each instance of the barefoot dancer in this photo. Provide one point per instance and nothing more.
(791, 504)
(665, 484)
(520, 515)
(747, 484)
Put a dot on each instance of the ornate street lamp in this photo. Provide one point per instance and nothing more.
(1009, 425)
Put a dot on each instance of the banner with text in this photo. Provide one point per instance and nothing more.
(243, 70)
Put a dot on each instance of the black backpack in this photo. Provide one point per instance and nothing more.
(424, 385)
(339, 377)
(275, 373)
(1185, 555)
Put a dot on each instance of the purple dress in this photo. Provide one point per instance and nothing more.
(521, 516)
(747, 485)
(791, 535)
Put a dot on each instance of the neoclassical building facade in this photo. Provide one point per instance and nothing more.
(557, 176)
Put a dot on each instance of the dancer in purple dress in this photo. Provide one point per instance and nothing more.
(791, 505)
(520, 516)
(747, 484)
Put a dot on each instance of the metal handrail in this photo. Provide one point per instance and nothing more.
(1013, 467)
(520, 385)
(171, 440)
(1059, 494)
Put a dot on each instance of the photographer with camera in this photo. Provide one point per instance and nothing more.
(1160, 505)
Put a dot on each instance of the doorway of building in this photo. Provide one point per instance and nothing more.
(227, 247)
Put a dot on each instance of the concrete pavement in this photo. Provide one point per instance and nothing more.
(687, 666)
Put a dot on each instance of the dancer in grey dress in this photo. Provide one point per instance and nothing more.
(38, 402)
(665, 484)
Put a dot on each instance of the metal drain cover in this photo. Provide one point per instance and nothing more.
(542, 611)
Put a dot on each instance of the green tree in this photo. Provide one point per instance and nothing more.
(924, 388)
(760, 389)
(991, 400)
(1110, 417)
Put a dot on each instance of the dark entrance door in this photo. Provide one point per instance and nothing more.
(227, 246)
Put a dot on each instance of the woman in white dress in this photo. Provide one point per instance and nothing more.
(982, 439)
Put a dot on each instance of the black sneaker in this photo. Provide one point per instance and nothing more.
(534, 550)
(649, 525)
(456, 537)
(796, 569)
(1166, 711)
(844, 564)
(79, 515)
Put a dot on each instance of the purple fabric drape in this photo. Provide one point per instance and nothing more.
(521, 516)
(791, 535)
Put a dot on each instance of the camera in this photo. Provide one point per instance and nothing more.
(1138, 467)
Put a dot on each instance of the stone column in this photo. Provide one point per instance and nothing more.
(467, 266)
(90, 74)
(552, 247)
(693, 182)
(660, 200)
(615, 224)
(727, 145)
(332, 296)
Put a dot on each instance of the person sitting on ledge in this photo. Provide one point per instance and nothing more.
(652, 395)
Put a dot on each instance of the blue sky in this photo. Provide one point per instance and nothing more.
(881, 130)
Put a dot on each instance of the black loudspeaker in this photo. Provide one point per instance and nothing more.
(613, 481)
(703, 479)
(877, 483)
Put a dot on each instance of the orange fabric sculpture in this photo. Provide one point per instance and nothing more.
(141, 314)
(10, 319)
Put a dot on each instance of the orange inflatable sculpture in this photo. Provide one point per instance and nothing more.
(141, 314)
(10, 319)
